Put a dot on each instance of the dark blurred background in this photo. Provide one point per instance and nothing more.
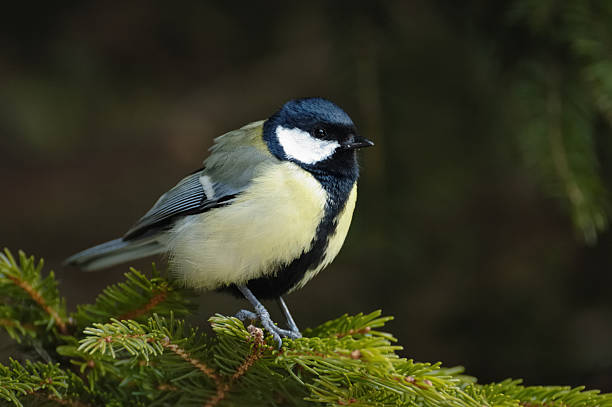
(481, 223)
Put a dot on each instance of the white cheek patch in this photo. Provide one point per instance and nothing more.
(301, 146)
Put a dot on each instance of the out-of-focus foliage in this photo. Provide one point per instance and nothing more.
(564, 94)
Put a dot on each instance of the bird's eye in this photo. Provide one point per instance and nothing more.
(320, 133)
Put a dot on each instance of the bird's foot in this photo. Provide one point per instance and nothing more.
(246, 315)
(264, 317)
(262, 314)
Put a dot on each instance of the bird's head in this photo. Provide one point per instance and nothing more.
(315, 134)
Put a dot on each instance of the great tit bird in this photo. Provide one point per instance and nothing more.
(269, 210)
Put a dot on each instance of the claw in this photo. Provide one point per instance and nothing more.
(270, 327)
(262, 314)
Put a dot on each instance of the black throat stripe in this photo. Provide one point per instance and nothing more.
(289, 275)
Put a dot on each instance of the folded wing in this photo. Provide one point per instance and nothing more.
(233, 163)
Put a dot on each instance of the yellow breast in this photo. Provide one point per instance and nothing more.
(269, 224)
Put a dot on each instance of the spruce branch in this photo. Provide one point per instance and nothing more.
(31, 300)
(137, 298)
(40, 382)
(13, 326)
(161, 360)
(544, 396)
(148, 341)
(363, 363)
(38, 298)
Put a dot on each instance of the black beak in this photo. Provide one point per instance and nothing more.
(357, 142)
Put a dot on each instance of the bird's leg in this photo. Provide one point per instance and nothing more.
(290, 322)
(262, 314)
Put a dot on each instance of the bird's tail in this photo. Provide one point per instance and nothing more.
(115, 252)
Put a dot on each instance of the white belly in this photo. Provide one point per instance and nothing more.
(269, 224)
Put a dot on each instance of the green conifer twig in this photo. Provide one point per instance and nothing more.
(31, 300)
(160, 361)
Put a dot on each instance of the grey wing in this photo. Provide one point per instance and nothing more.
(143, 239)
(235, 160)
(193, 194)
(196, 193)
